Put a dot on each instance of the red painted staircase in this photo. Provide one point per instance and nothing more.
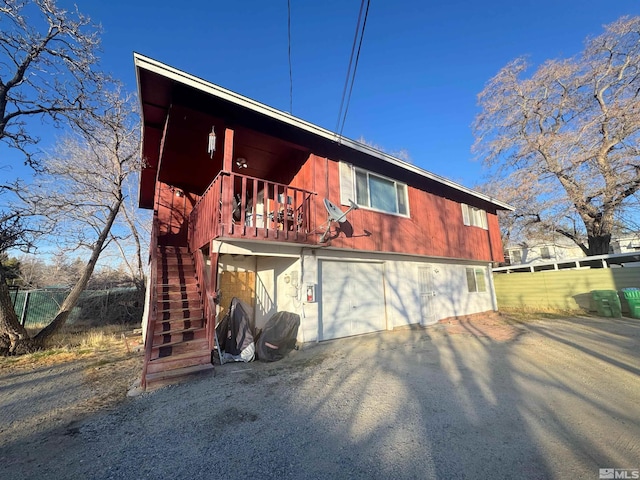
(179, 345)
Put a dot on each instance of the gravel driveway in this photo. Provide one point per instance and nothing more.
(556, 399)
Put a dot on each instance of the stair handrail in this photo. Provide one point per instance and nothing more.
(153, 298)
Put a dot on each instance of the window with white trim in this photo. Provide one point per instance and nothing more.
(373, 191)
(473, 216)
(476, 281)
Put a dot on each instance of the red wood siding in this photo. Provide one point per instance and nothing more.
(434, 228)
(173, 206)
(496, 239)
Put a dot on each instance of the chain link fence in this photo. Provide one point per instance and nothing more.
(37, 308)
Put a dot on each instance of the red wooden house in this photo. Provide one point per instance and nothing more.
(250, 202)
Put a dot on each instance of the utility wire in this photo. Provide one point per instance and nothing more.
(289, 42)
(355, 67)
(346, 80)
(350, 79)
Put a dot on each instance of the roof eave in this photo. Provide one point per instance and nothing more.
(192, 81)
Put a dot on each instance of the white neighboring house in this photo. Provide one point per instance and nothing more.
(535, 252)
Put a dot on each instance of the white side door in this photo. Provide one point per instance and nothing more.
(425, 284)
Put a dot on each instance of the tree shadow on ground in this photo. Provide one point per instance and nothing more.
(412, 403)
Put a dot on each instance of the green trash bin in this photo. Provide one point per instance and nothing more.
(607, 303)
(632, 296)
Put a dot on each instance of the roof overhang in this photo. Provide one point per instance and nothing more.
(162, 102)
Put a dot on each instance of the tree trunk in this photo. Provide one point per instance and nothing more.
(599, 245)
(13, 337)
(72, 299)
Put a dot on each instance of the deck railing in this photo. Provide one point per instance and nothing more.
(240, 206)
(204, 219)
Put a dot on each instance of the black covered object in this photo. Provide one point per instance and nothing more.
(278, 337)
(236, 332)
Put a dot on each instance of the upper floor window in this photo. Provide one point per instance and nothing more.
(545, 253)
(371, 190)
(474, 216)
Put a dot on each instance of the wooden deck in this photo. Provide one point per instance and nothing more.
(239, 206)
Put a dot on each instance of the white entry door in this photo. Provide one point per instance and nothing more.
(352, 299)
(426, 295)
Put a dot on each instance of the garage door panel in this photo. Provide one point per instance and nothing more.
(335, 305)
(352, 299)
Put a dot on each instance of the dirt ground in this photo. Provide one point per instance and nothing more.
(478, 397)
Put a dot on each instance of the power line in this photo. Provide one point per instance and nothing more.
(355, 67)
(289, 42)
(349, 81)
(346, 80)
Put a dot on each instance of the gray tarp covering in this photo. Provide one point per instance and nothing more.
(278, 337)
(236, 332)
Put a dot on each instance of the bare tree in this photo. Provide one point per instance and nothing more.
(402, 154)
(47, 67)
(12, 233)
(567, 138)
(59, 271)
(48, 70)
(80, 192)
(131, 235)
(130, 246)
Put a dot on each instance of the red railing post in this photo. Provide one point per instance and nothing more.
(212, 216)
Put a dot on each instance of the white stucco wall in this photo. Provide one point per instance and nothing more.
(448, 282)
(452, 295)
(402, 289)
(401, 286)
(276, 291)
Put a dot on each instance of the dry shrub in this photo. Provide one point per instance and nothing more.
(73, 342)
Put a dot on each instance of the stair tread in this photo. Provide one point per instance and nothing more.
(178, 330)
(192, 297)
(178, 372)
(178, 294)
(181, 356)
(169, 320)
(171, 288)
(195, 304)
(183, 309)
(192, 343)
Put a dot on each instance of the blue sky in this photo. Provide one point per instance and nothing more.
(421, 66)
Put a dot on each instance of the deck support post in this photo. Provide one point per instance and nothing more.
(227, 181)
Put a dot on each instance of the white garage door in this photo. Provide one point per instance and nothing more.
(352, 299)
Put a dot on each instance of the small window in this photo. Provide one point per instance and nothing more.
(544, 253)
(516, 257)
(401, 192)
(476, 281)
(473, 216)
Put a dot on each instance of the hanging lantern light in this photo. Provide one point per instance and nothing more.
(212, 142)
